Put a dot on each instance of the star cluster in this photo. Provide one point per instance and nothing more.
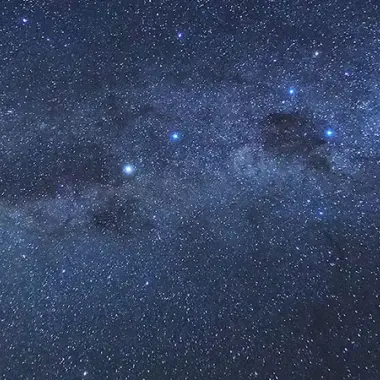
(189, 190)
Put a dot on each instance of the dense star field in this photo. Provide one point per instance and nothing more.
(190, 190)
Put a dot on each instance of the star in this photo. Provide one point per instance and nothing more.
(329, 133)
(180, 34)
(25, 20)
(321, 213)
(128, 169)
(175, 136)
(292, 91)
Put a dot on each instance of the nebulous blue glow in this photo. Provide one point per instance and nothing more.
(128, 169)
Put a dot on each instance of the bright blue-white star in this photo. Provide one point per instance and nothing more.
(180, 34)
(24, 20)
(292, 91)
(175, 136)
(128, 169)
(329, 133)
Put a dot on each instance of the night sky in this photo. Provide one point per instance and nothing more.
(189, 190)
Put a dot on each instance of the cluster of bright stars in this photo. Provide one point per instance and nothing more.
(129, 169)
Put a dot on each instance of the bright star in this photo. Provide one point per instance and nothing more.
(329, 133)
(24, 20)
(175, 136)
(179, 34)
(292, 91)
(128, 169)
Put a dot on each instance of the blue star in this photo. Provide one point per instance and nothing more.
(175, 136)
(292, 91)
(329, 133)
(128, 169)
(321, 213)
(180, 34)
(25, 20)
